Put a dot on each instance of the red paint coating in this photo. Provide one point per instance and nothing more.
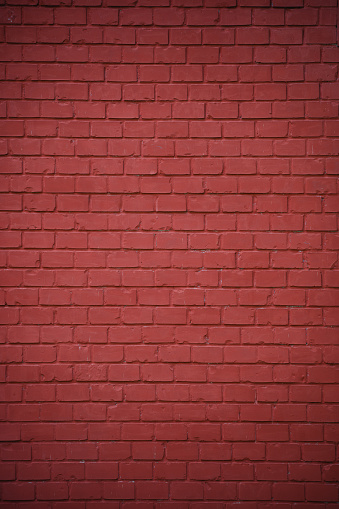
(169, 224)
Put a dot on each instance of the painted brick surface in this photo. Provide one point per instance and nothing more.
(170, 273)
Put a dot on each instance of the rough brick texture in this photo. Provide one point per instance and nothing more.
(170, 273)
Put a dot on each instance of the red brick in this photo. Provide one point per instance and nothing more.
(320, 35)
(300, 54)
(103, 16)
(195, 285)
(118, 490)
(165, 17)
(19, 491)
(254, 73)
(183, 36)
(303, 91)
(137, 55)
(235, 17)
(320, 72)
(283, 35)
(172, 55)
(252, 35)
(186, 491)
(152, 36)
(218, 36)
(324, 492)
(69, 16)
(127, 72)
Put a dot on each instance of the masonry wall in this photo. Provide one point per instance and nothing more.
(170, 259)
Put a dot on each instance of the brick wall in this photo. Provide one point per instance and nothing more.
(169, 265)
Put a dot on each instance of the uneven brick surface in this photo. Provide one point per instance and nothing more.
(169, 224)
